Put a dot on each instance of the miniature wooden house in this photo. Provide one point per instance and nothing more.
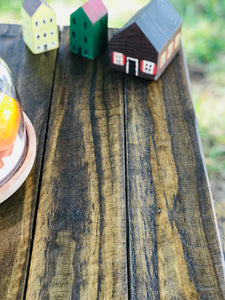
(88, 29)
(148, 42)
(40, 32)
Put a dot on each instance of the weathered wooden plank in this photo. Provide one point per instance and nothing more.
(79, 247)
(174, 248)
(33, 77)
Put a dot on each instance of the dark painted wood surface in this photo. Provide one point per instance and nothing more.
(34, 80)
(117, 205)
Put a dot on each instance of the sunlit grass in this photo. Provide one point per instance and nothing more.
(210, 110)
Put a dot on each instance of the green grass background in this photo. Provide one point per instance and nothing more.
(203, 36)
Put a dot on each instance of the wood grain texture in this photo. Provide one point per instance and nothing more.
(33, 79)
(174, 248)
(117, 205)
(80, 239)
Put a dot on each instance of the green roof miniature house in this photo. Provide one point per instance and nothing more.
(40, 32)
(88, 29)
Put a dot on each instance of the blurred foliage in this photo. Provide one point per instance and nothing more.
(203, 37)
(203, 29)
(210, 112)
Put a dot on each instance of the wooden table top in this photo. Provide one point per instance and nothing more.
(117, 205)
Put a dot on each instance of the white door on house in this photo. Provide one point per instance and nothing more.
(132, 66)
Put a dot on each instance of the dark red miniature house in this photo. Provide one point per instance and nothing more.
(148, 42)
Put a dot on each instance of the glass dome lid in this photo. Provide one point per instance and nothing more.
(12, 128)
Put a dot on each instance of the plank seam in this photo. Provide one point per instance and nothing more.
(126, 191)
(41, 176)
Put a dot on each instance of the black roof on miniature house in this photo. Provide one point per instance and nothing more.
(158, 20)
(32, 5)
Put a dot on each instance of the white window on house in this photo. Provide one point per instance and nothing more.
(162, 59)
(44, 21)
(38, 36)
(38, 48)
(148, 67)
(53, 44)
(177, 40)
(169, 50)
(45, 47)
(51, 20)
(118, 58)
(36, 23)
(52, 32)
(45, 34)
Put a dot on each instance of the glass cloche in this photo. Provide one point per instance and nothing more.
(12, 128)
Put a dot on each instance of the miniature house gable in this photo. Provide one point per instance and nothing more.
(88, 29)
(39, 26)
(95, 10)
(148, 42)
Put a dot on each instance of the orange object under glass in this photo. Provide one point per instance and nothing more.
(12, 129)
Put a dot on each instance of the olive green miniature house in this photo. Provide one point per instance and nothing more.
(40, 32)
(88, 29)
